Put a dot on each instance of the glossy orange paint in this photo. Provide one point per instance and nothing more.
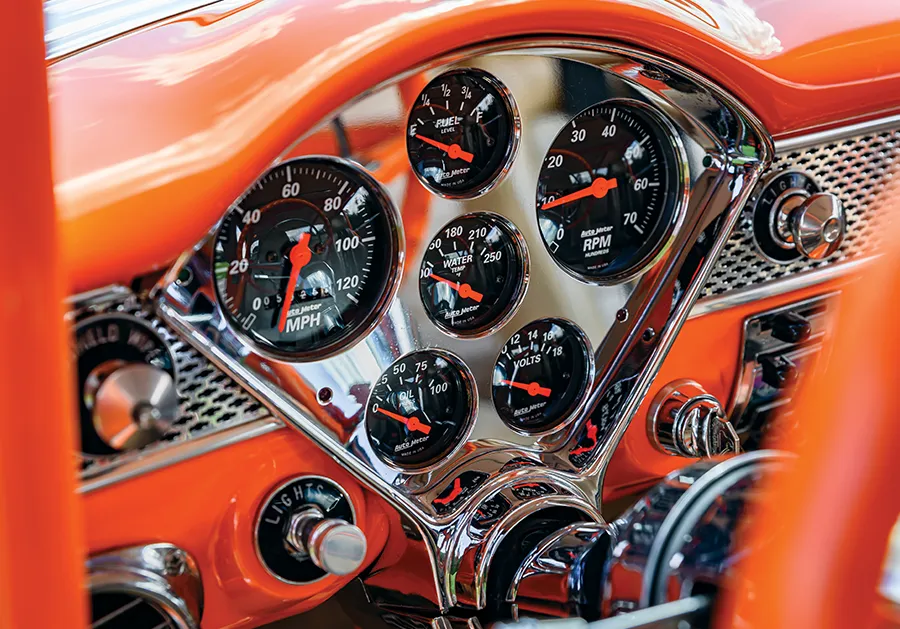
(824, 524)
(41, 541)
(707, 350)
(208, 506)
(156, 133)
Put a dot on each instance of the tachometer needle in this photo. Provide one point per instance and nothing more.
(454, 151)
(533, 388)
(300, 256)
(465, 291)
(598, 189)
(414, 424)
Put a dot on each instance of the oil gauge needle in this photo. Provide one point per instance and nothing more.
(414, 424)
(300, 256)
(465, 291)
(453, 151)
(533, 388)
(598, 189)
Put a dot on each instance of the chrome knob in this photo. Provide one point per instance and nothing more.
(135, 406)
(685, 420)
(335, 546)
(814, 225)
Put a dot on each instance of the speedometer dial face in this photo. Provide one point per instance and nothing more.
(473, 274)
(542, 375)
(462, 133)
(307, 259)
(609, 191)
(421, 409)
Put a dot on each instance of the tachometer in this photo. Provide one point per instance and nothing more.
(462, 133)
(542, 375)
(609, 191)
(473, 274)
(421, 409)
(308, 258)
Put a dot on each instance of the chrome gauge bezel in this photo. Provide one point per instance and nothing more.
(523, 270)
(676, 213)
(578, 405)
(471, 391)
(512, 148)
(393, 276)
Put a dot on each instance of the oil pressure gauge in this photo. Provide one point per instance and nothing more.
(542, 376)
(462, 133)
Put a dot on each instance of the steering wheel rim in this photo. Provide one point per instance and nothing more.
(41, 540)
(822, 530)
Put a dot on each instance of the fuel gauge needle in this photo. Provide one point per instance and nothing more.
(533, 388)
(414, 424)
(453, 151)
(465, 291)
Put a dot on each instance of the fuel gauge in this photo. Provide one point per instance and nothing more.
(542, 376)
(462, 133)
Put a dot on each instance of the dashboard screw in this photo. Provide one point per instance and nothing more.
(325, 395)
(622, 315)
(649, 335)
(174, 563)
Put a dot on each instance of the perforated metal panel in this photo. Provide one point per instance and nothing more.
(209, 400)
(861, 170)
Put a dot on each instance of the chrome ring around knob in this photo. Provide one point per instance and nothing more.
(685, 420)
(818, 226)
(335, 546)
(135, 405)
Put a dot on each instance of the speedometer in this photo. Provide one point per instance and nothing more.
(609, 191)
(308, 258)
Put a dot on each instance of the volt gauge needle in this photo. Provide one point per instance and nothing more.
(533, 388)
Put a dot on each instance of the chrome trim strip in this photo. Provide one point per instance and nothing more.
(169, 456)
(799, 142)
(779, 287)
(74, 25)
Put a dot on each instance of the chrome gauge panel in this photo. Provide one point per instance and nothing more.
(628, 323)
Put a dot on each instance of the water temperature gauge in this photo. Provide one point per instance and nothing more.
(421, 409)
(542, 376)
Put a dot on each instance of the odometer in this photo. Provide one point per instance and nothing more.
(308, 258)
(542, 376)
(473, 274)
(609, 191)
(421, 409)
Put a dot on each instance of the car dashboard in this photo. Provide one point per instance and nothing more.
(466, 307)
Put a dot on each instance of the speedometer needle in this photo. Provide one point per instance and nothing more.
(533, 388)
(414, 424)
(465, 291)
(598, 188)
(300, 256)
(454, 151)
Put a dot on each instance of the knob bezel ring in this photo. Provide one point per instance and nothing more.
(760, 215)
(265, 502)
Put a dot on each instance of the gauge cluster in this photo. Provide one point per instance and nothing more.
(511, 332)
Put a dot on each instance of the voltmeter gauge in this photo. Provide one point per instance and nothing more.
(462, 133)
(421, 409)
(473, 274)
(609, 191)
(542, 376)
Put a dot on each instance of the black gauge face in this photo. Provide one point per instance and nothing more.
(306, 259)
(608, 192)
(542, 375)
(420, 409)
(473, 274)
(104, 344)
(462, 133)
